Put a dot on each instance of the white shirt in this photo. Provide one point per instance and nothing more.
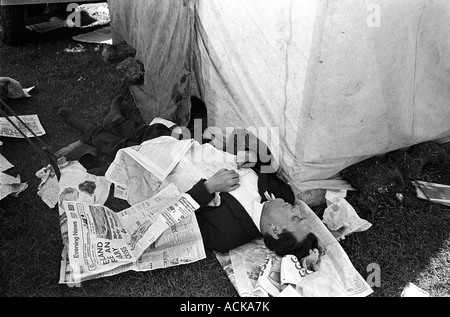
(247, 195)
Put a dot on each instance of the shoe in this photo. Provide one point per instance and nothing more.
(89, 158)
(114, 113)
(76, 121)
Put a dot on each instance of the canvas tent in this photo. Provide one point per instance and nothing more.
(325, 83)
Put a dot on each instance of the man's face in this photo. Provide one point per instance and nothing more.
(285, 216)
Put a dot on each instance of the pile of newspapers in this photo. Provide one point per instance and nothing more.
(100, 242)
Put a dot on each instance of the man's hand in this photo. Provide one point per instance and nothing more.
(246, 159)
(312, 261)
(223, 181)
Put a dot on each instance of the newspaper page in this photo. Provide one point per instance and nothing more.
(75, 184)
(73, 274)
(48, 189)
(269, 281)
(99, 238)
(146, 222)
(181, 244)
(335, 277)
(139, 183)
(202, 161)
(243, 265)
(32, 121)
(159, 156)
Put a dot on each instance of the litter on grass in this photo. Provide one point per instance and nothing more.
(76, 49)
(412, 290)
(32, 121)
(433, 192)
(52, 24)
(12, 89)
(99, 36)
(10, 185)
(4, 164)
(342, 220)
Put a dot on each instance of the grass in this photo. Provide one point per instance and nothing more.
(410, 240)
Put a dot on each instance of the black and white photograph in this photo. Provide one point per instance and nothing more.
(227, 152)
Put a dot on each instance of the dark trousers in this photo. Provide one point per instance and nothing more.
(124, 133)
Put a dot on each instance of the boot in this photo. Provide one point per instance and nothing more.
(114, 115)
(76, 121)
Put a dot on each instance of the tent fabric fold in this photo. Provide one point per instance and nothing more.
(161, 33)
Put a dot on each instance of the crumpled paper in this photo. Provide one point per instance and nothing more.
(10, 185)
(4, 163)
(11, 89)
(331, 195)
(341, 219)
(278, 273)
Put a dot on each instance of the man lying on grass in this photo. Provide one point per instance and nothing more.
(244, 213)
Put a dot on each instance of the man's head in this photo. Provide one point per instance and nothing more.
(278, 216)
(285, 229)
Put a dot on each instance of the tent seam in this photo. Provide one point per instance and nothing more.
(287, 70)
(415, 71)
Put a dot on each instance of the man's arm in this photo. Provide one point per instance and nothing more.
(223, 181)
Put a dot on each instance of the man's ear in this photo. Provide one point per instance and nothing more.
(274, 232)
